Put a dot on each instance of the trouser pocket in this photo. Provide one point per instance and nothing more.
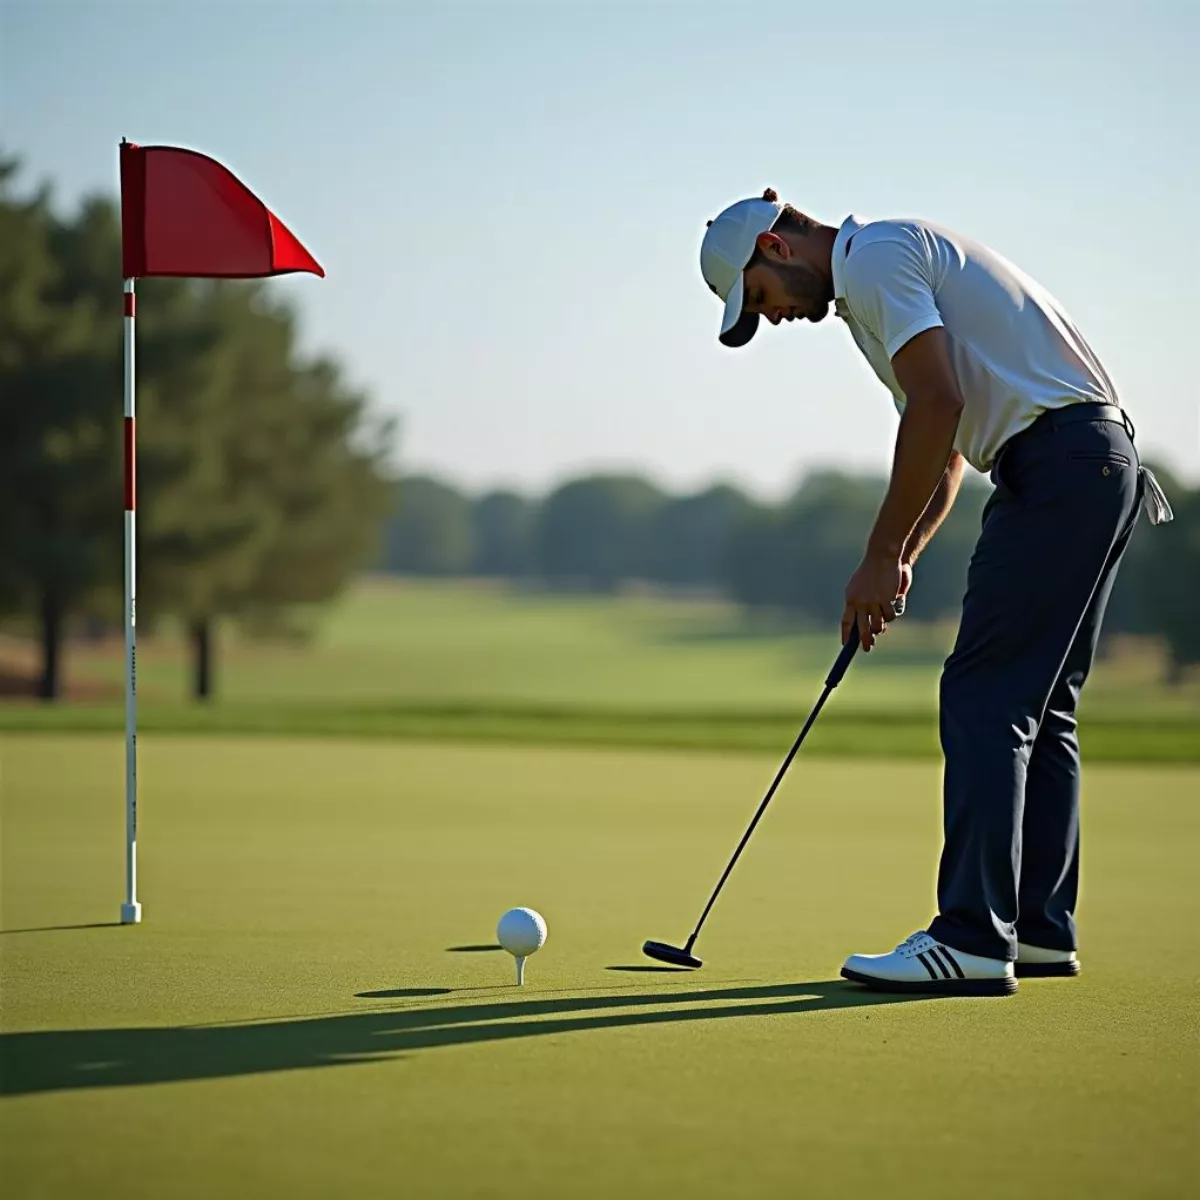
(1111, 457)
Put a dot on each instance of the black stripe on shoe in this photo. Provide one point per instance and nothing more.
(928, 967)
(941, 966)
(952, 961)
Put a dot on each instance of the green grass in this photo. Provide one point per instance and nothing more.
(421, 660)
(291, 1020)
(408, 643)
(856, 734)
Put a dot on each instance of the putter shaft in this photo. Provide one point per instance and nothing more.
(835, 676)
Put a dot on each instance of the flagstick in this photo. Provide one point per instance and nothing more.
(131, 910)
(194, 201)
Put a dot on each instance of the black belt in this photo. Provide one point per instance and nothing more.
(1153, 497)
(1081, 410)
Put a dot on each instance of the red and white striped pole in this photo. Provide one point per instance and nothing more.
(131, 910)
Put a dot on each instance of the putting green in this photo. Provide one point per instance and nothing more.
(297, 1016)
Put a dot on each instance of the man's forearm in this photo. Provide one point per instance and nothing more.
(937, 508)
(924, 445)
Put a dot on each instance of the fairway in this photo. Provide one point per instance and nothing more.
(298, 1016)
(406, 642)
(482, 662)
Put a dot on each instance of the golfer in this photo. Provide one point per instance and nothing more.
(986, 370)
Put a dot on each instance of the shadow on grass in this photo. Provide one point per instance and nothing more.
(641, 969)
(402, 993)
(484, 949)
(62, 928)
(58, 1060)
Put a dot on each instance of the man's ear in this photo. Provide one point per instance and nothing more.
(773, 246)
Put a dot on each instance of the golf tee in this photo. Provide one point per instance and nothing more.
(520, 969)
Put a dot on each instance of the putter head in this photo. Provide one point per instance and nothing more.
(674, 955)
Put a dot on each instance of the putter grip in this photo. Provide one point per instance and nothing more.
(850, 649)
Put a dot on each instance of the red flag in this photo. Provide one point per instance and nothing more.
(182, 213)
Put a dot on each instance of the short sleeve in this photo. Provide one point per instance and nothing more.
(889, 289)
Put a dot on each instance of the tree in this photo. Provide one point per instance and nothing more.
(266, 484)
(201, 533)
(503, 530)
(798, 557)
(596, 532)
(1169, 579)
(261, 481)
(750, 561)
(824, 531)
(689, 534)
(430, 532)
(59, 372)
(330, 492)
(1131, 608)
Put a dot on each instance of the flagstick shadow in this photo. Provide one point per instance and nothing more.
(59, 1060)
(63, 928)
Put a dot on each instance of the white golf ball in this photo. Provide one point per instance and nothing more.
(521, 931)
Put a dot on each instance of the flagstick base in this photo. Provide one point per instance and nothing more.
(131, 914)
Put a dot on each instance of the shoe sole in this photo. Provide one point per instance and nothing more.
(1062, 970)
(943, 987)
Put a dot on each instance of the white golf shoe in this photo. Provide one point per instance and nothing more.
(1035, 962)
(922, 964)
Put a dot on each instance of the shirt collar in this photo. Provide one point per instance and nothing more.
(849, 227)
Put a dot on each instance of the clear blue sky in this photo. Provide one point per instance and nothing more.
(509, 196)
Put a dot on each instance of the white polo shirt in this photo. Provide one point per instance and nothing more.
(1015, 351)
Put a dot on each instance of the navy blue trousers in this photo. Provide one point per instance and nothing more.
(1054, 530)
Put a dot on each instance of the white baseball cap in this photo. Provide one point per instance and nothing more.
(727, 248)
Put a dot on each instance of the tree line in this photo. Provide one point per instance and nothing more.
(599, 532)
(264, 479)
(262, 476)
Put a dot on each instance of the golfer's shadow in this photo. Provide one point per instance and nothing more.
(56, 1060)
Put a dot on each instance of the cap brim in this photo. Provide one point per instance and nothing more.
(737, 327)
(742, 331)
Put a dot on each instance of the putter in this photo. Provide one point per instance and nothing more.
(682, 956)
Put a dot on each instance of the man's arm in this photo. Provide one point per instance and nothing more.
(936, 510)
(924, 445)
(925, 440)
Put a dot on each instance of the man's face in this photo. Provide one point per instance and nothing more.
(782, 289)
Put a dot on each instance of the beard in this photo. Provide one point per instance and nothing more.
(809, 291)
